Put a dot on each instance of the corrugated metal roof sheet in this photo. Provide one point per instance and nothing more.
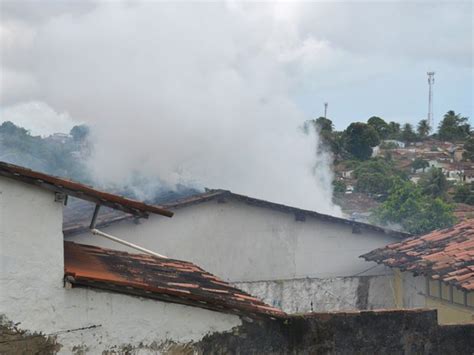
(446, 254)
(167, 280)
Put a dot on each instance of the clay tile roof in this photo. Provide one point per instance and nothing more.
(81, 191)
(167, 280)
(446, 254)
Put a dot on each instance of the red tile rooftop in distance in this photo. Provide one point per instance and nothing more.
(446, 255)
(167, 280)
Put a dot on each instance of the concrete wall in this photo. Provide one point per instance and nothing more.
(368, 332)
(240, 242)
(32, 293)
(330, 294)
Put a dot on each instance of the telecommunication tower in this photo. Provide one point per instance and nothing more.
(325, 109)
(430, 98)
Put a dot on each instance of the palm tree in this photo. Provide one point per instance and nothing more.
(423, 128)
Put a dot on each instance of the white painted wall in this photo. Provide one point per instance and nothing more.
(32, 292)
(240, 242)
(414, 290)
(321, 295)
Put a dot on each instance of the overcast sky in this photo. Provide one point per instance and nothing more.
(363, 58)
(213, 94)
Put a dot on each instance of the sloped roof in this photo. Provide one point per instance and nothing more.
(71, 226)
(446, 254)
(78, 190)
(167, 280)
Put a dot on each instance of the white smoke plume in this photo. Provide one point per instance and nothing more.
(192, 93)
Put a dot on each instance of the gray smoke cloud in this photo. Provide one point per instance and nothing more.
(191, 93)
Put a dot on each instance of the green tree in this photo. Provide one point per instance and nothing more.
(324, 124)
(330, 139)
(339, 187)
(463, 194)
(419, 163)
(376, 176)
(79, 133)
(423, 129)
(416, 213)
(380, 126)
(453, 127)
(408, 135)
(469, 150)
(434, 183)
(359, 138)
(395, 130)
(374, 183)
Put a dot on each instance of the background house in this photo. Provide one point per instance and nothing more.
(291, 258)
(435, 270)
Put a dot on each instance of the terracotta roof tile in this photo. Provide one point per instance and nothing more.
(164, 279)
(446, 254)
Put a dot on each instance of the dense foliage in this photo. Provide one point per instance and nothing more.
(453, 127)
(414, 211)
(61, 156)
(359, 139)
(376, 176)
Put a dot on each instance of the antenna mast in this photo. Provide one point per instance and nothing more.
(325, 109)
(430, 98)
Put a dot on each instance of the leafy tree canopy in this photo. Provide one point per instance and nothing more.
(395, 130)
(423, 129)
(464, 193)
(408, 134)
(359, 138)
(380, 126)
(416, 213)
(376, 176)
(324, 124)
(79, 133)
(419, 163)
(453, 127)
(469, 150)
(434, 183)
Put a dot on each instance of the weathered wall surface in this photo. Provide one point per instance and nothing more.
(369, 332)
(411, 292)
(330, 294)
(33, 297)
(241, 242)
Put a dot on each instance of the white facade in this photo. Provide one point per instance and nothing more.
(241, 242)
(32, 292)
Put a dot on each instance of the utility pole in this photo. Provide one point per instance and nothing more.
(430, 98)
(325, 109)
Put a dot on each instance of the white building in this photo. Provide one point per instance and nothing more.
(295, 259)
(85, 297)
